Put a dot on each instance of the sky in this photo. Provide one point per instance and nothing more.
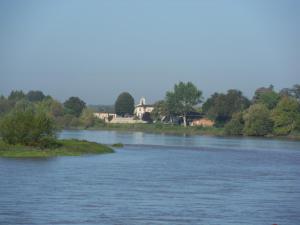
(96, 49)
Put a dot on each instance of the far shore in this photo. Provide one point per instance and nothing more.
(177, 130)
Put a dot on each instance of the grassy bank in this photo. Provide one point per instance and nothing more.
(67, 148)
(163, 129)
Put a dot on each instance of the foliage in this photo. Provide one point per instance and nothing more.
(74, 106)
(35, 96)
(160, 110)
(87, 118)
(5, 105)
(269, 98)
(27, 126)
(16, 95)
(286, 116)
(221, 107)
(124, 104)
(257, 120)
(236, 125)
(183, 99)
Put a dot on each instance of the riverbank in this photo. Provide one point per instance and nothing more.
(162, 129)
(176, 130)
(66, 148)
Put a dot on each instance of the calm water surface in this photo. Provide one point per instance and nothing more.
(157, 179)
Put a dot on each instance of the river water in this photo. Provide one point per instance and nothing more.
(157, 179)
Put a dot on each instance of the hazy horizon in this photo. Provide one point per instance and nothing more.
(98, 49)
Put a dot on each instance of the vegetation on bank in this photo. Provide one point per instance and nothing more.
(268, 113)
(28, 131)
(64, 148)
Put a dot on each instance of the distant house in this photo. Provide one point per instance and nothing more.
(142, 108)
(204, 122)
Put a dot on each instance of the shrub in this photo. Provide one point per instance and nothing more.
(27, 127)
(286, 116)
(236, 125)
(257, 120)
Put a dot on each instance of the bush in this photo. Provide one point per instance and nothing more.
(286, 116)
(27, 127)
(236, 125)
(257, 121)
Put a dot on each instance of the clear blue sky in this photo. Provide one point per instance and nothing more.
(96, 49)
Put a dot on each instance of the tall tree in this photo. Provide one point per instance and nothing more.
(183, 99)
(269, 99)
(74, 106)
(160, 110)
(16, 95)
(221, 107)
(124, 104)
(35, 96)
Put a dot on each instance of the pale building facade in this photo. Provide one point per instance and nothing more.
(142, 108)
(106, 117)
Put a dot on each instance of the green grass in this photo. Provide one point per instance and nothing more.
(67, 148)
(163, 129)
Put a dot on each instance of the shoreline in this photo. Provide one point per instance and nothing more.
(180, 130)
(68, 147)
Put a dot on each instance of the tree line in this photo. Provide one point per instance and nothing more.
(268, 113)
(71, 113)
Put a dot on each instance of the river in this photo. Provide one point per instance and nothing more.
(157, 179)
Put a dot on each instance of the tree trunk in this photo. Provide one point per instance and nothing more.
(184, 120)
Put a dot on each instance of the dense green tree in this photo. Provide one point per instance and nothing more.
(74, 106)
(183, 99)
(5, 105)
(124, 104)
(16, 95)
(160, 110)
(221, 107)
(35, 96)
(286, 116)
(27, 126)
(270, 99)
(87, 118)
(236, 125)
(257, 120)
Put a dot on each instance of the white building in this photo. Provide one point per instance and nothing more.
(142, 108)
(107, 117)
